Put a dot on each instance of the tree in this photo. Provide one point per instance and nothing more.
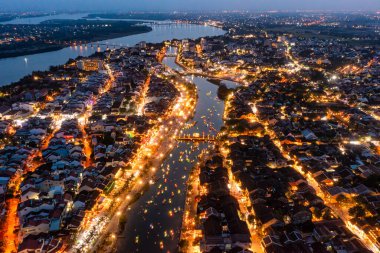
(327, 214)
(317, 76)
(372, 181)
(362, 201)
(240, 125)
(251, 218)
(108, 140)
(71, 61)
(342, 199)
(122, 222)
(239, 128)
(223, 92)
(357, 211)
(318, 213)
(183, 244)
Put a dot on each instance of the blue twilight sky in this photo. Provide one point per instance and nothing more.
(170, 5)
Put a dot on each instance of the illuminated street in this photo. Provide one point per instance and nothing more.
(230, 131)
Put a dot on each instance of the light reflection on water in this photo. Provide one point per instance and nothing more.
(156, 217)
(149, 218)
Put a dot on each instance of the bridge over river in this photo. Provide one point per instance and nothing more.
(196, 138)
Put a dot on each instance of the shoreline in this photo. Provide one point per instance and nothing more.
(59, 47)
(11, 17)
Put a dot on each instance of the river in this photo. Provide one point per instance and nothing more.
(12, 69)
(37, 20)
(154, 221)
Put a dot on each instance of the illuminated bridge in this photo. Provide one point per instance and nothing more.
(196, 138)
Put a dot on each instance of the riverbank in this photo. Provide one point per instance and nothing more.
(155, 220)
(58, 34)
(10, 17)
(151, 174)
(12, 69)
(140, 16)
(210, 77)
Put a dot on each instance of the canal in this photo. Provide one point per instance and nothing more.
(154, 221)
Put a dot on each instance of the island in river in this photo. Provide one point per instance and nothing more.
(5, 17)
(18, 40)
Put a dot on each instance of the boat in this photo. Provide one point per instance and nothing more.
(190, 125)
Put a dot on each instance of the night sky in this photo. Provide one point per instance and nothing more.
(170, 5)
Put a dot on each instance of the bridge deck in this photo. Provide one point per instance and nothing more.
(205, 139)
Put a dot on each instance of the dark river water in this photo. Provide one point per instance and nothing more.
(154, 221)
